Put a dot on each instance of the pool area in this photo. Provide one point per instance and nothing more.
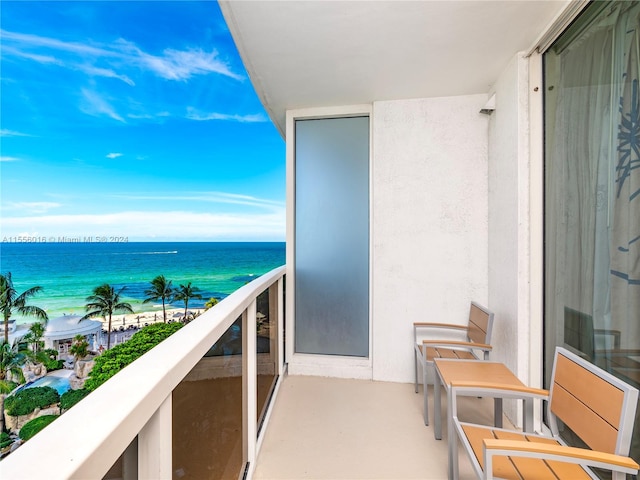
(57, 382)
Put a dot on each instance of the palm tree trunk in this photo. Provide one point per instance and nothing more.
(164, 312)
(6, 329)
(186, 306)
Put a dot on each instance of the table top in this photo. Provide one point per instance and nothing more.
(451, 370)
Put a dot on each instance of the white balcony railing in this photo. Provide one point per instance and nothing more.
(130, 421)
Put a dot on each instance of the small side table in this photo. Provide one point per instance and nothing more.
(451, 370)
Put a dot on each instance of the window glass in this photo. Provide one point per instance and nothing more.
(592, 192)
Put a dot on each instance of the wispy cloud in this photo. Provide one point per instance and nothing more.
(113, 155)
(4, 158)
(91, 57)
(139, 225)
(97, 106)
(104, 72)
(148, 116)
(11, 133)
(210, 197)
(193, 114)
(31, 207)
(30, 56)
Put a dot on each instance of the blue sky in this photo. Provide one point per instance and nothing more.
(132, 119)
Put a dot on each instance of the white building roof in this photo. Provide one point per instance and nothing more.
(68, 326)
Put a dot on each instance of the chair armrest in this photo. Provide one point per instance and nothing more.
(549, 451)
(499, 390)
(611, 333)
(440, 325)
(456, 343)
(623, 352)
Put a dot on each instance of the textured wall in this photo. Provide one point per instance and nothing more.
(509, 221)
(429, 221)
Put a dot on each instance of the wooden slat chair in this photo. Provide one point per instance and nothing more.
(475, 344)
(598, 407)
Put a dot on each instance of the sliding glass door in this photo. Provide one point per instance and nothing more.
(592, 191)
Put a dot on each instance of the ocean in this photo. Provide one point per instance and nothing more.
(68, 272)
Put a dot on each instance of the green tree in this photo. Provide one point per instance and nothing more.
(114, 360)
(104, 302)
(28, 399)
(212, 302)
(12, 302)
(80, 347)
(34, 337)
(34, 426)
(161, 289)
(185, 293)
(69, 398)
(11, 359)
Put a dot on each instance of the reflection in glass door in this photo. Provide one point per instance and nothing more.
(592, 192)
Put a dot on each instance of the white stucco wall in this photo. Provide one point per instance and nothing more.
(509, 258)
(429, 221)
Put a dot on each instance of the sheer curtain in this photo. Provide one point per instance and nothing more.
(592, 192)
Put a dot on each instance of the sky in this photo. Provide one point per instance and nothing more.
(132, 120)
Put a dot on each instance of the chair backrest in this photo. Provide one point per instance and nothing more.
(578, 332)
(598, 407)
(480, 324)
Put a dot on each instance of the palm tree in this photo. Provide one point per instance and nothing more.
(80, 347)
(12, 302)
(104, 302)
(161, 289)
(11, 359)
(184, 293)
(34, 337)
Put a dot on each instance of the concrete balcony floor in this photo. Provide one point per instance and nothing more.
(328, 428)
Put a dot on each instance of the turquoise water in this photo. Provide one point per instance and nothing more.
(60, 384)
(68, 272)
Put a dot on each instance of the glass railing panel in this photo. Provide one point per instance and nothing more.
(126, 466)
(207, 413)
(283, 340)
(266, 348)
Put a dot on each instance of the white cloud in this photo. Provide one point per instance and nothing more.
(146, 226)
(148, 116)
(172, 64)
(30, 56)
(210, 197)
(113, 155)
(31, 207)
(97, 106)
(192, 114)
(11, 133)
(4, 158)
(104, 72)
(26, 39)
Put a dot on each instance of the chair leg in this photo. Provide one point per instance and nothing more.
(426, 398)
(415, 370)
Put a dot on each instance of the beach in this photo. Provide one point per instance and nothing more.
(129, 321)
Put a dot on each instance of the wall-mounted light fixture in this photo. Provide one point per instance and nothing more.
(490, 106)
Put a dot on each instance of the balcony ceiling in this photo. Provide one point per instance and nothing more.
(327, 53)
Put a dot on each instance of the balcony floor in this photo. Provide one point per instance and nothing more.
(328, 428)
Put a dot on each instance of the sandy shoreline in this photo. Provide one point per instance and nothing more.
(140, 319)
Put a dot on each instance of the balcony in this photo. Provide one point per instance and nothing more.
(214, 401)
